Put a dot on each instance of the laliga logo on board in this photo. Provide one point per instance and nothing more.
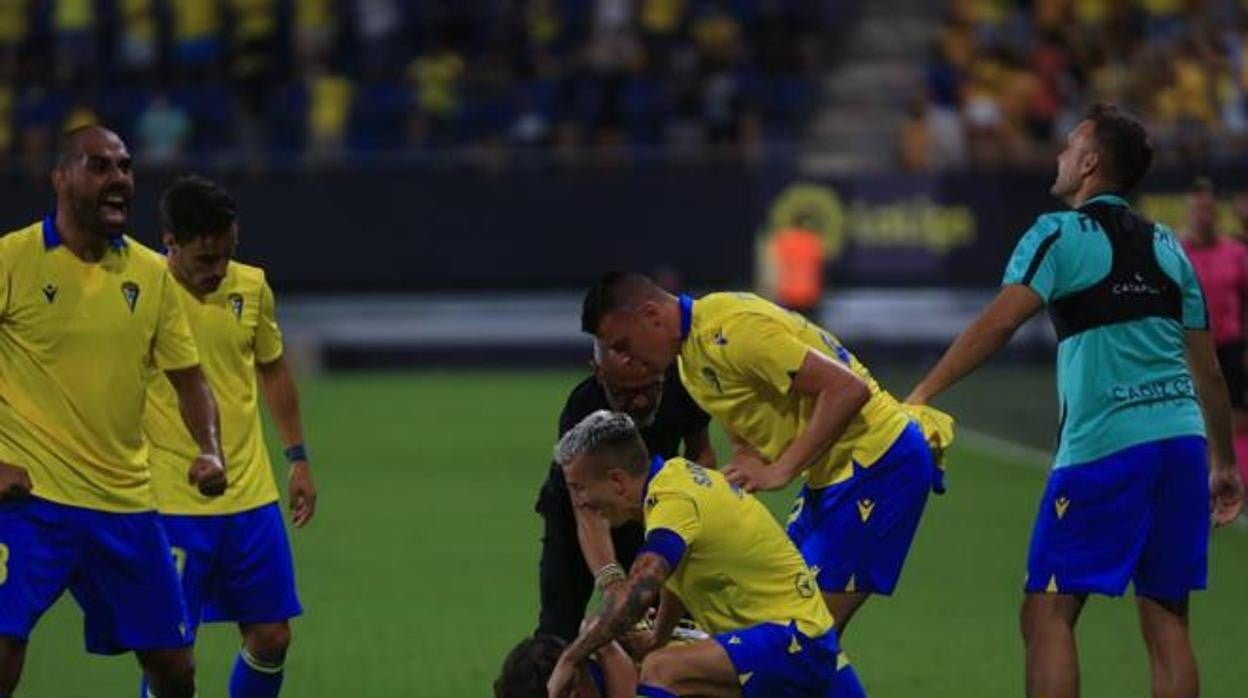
(904, 221)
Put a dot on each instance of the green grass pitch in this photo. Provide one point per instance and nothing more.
(420, 570)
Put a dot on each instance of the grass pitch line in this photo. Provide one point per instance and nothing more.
(1005, 449)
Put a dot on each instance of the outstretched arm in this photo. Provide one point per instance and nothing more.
(991, 331)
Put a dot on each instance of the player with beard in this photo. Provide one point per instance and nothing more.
(232, 551)
(85, 314)
(1144, 454)
(579, 549)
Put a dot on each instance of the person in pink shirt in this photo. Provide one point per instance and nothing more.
(1240, 208)
(1221, 264)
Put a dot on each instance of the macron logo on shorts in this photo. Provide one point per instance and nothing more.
(1061, 505)
(865, 507)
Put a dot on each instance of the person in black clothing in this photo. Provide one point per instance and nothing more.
(579, 544)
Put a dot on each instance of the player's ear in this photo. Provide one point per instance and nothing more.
(1090, 161)
(58, 178)
(618, 480)
(649, 311)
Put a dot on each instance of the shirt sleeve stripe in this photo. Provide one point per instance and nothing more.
(667, 544)
(1038, 259)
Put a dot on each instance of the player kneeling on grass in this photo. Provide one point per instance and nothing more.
(772, 635)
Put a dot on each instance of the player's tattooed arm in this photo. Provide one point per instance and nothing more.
(623, 607)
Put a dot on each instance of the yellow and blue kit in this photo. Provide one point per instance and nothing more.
(232, 551)
(858, 513)
(744, 582)
(77, 342)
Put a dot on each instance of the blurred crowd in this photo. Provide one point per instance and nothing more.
(1007, 78)
(333, 79)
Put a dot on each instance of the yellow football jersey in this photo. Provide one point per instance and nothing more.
(78, 341)
(739, 568)
(738, 360)
(235, 328)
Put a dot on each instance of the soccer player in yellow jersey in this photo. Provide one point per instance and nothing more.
(85, 314)
(714, 550)
(794, 401)
(232, 551)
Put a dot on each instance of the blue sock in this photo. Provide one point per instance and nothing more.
(654, 692)
(253, 678)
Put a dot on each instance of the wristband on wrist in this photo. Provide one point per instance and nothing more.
(609, 573)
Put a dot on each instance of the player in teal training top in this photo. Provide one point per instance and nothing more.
(1144, 439)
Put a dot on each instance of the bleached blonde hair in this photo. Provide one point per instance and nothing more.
(600, 431)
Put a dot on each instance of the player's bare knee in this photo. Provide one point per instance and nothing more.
(1043, 614)
(1166, 612)
(267, 642)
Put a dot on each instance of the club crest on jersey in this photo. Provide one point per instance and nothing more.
(805, 585)
(130, 291)
(49, 292)
(236, 305)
